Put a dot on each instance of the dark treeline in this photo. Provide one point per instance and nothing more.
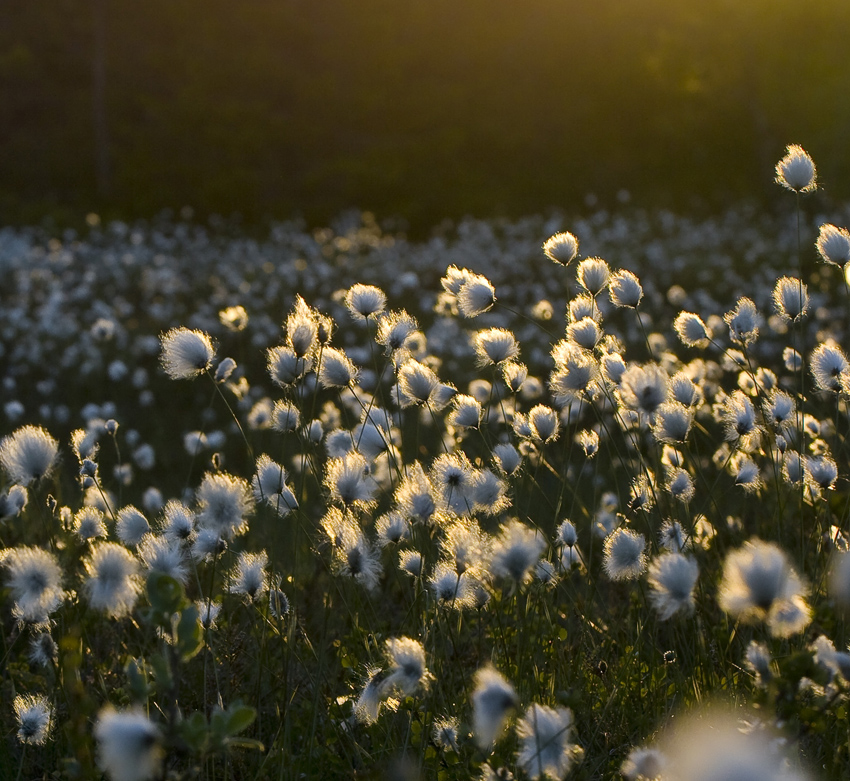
(418, 108)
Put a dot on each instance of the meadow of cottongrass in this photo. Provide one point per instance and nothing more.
(337, 505)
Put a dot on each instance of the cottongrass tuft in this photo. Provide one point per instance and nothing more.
(285, 417)
(475, 296)
(515, 551)
(759, 584)
(574, 376)
(680, 485)
(13, 502)
(179, 521)
(545, 748)
(417, 382)
(644, 388)
(249, 576)
(791, 298)
(672, 578)
(712, 744)
(365, 301)
(35, 718)
(285, 366)
(393, 528)
(132, 526)
(35, 581)
(414, 495)
(834, 244)
(445, 733)
(593, 274)
(186, 353)
(494, 346)
(561, 248)
(625, 557)
(224, 504)
(544, 423)
(493, 698)
(349, 482)
(759, 660)
(44, 651)
(466, 413)
(395, 331)
(585, 332)
(691, 330)
(28, 454)
(743, 322)
(828, 364)
(672, 422)
(114, 584)
(269, 484)
(643, 764)
(336, 369)
(796, 170)
(161, 554)
(367, 707)
(624, 289)
(89, 523)
(507, 458)
(408, 671)
(129, 745)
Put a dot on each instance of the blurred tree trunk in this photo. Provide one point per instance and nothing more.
(101, 127)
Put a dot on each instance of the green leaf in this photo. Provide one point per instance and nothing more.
(162, 672)
(190, 633)
(239, 718)
(249, 743)
(218, 725)
(165, 594)
(137, 672)
(195, 731)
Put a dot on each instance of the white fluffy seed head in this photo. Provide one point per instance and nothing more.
(186, 353)
(743, 322)
(545, 745)
(492, 700)
(828, 362)
(759, 584)
(365, 301)
(35, 581)
(224, 504)
(625, 558)
(672, 577)
(113, 584)
(475, 296)
(624, 289)
(131, 526)
(336, 370)
(562, 248)
(796, 171)
(285, 367)
(494, 346)
(791, 298)
(35, 718)
(585, 333)
(691, 330)
(128, 745)
(28, 454)
(593, 274)
(833, 244)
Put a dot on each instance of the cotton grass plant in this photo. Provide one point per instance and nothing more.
(524, 523)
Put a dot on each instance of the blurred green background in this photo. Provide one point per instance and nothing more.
(421, 109)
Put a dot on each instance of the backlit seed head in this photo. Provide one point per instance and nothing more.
(796, 171)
